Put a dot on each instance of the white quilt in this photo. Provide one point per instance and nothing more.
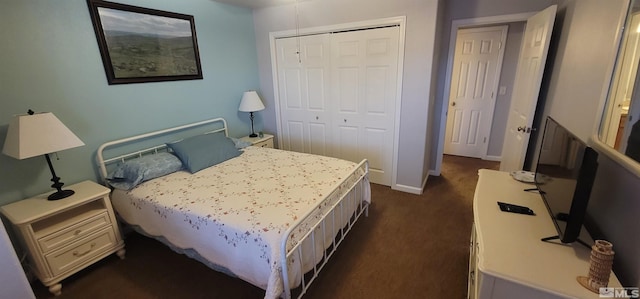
(235, 214)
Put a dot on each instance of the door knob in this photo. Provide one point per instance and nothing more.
(525, 129)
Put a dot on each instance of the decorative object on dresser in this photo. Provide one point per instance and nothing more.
(65, 236)
(601, 262)
(37, 134)
(251, 103)
(266, 140)
(151, 46)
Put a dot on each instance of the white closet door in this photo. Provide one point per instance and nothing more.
(303, 86)
(364, 75)
(338, 98)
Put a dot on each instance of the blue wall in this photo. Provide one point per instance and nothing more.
(50, 61)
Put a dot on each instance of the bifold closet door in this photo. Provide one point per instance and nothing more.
(338, 96)
(364, 76)
(303, 86)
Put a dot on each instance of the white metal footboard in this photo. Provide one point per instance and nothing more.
(350, 206)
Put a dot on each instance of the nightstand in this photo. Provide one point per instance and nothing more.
(65, 236)
(265, 141)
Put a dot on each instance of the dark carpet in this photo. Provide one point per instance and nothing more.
(410, 246)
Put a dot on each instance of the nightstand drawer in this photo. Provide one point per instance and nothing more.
(69, 257)
(73, 232)
(267, 143)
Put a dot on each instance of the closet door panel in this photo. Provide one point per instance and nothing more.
(347, 87)
(303, 87)
(374, 149)
(316, 85)
(376, 104)
(318, 139)
(364, 79)
(295, 137)
(292, 89)
(347, 146)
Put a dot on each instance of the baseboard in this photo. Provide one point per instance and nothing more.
(408, 189)
(424, 183)
(433, 172)
(493, 158)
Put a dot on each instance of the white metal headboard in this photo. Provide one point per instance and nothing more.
(102, 162)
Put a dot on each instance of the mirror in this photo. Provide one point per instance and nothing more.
(620, 126)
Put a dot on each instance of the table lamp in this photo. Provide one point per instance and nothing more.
(251, 103)
(36, 134)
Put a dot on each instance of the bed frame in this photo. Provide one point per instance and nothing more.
(352, 200)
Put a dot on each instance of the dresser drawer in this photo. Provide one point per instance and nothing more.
(74, 232)
(267, 143)
(81, 251)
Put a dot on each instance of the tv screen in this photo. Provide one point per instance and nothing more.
(564, 175)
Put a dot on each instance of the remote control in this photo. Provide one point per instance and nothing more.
(507, 207)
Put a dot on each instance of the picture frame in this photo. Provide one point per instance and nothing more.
(145, 45)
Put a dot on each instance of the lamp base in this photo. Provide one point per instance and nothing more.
(60, 194)
(253, 135)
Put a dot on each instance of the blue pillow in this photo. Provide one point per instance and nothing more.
(135, 171)
(201, 151)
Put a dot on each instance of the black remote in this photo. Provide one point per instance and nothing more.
(507, 207)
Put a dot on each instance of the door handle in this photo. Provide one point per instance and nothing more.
(525, 129)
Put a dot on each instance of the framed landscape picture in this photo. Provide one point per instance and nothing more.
(145, 45)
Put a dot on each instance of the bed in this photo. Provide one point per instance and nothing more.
(270, 217)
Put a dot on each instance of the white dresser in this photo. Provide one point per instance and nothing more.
(507, 258)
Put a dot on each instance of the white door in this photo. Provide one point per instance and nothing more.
(303, 86)
(476, 70)
(364, 85)
(531, 63)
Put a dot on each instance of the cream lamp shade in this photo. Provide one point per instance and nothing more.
(38, 134)
(250, 102)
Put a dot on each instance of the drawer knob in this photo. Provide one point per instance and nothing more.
(78, 254)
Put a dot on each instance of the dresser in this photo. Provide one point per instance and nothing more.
(64, 236)
(507, 258)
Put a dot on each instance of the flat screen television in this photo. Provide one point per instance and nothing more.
(564, 176)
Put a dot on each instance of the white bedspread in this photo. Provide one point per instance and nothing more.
(235, 214)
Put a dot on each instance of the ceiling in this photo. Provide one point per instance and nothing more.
(259, 3)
